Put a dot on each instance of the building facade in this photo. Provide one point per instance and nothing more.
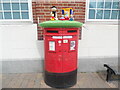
(22, 39)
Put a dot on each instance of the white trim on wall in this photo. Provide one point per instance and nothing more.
(30, 10)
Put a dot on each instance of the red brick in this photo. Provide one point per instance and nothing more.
(40, 13)
(40, 27)
(71, 4)
(40, 37)
(40, 32)
(37, 10)
(42, 19)
(59, 7)
(42, 9)
(55, 4)
(46, 10)
(47, 19)
(47, 5)
(65, 2)
(33, 3)
(77, 13)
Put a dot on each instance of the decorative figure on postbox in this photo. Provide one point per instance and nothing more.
(71, 18)
(62, 18)
(53, 13)
(68, 13)
(52, 17)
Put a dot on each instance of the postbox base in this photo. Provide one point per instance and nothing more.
(61, 80)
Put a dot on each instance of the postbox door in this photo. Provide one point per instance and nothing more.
(69, 54)
(54, 55)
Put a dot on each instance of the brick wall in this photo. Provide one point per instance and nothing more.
(42, 8)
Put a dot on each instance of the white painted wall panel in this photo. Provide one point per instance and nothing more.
(19, 42)
(99, 41)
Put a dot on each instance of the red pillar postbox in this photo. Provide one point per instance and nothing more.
(61, 47)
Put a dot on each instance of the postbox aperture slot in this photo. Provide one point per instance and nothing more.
(52, 31)
(71, 31)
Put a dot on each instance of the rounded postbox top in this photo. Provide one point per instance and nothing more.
(61, 24)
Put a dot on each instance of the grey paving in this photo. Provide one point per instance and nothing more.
(35, 80)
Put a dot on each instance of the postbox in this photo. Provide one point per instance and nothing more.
(61, 48)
